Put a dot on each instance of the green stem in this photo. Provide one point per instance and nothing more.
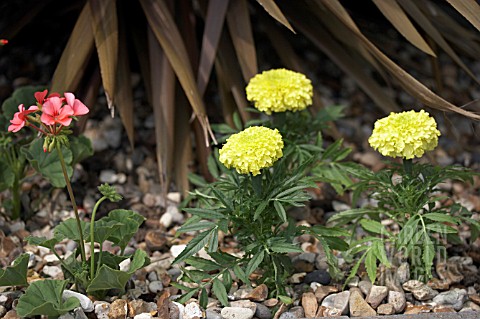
(92, 240)
(408, 167)
(16, 198)
(72, 199)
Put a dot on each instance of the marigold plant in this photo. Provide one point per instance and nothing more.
(406, 134)
(280, 90)
(252, 149)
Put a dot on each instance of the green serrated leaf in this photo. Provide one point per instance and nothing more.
(15, 275)
(329, 231)
(203, 298)
(260, 209)
(374, 227)
(220, 292)
(205, 213)
(255, 262)
(379, 250)
(185, 297)
(438, 217)
(212, 167)
(371, 265)
(224, 259)
(44, 297)
(441, 228)
(283, 247)
(194, 245)
(280, 210)
(238, 271)
(285, 299)
(202, 263)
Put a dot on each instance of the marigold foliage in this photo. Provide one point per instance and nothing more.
(406, 134)
(280, 90)
(252, 149)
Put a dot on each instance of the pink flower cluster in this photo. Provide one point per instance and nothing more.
(56, 112)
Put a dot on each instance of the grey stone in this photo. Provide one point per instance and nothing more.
(237, 313)
(79, 313)
(353, 282)
(244, 304)
(155, 286)
(365, 286)
(85, 302)
(321, 276)
(337, 301)
(376, 295)
(53, 271)
(152, 276)
(66, 316)
(386, 309)
(424, 293)
(263, 312)
(412, 285)
(108, 176)
(101, 309)
(192, 311)
(403, 273)
(298, 311)
(3, 311)
(214, 313)
(454, 298)
(397, 300)
(176, 310)
(288, 315)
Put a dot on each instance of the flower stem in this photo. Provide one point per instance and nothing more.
(72, 199)
(92, 239)
(408, 167)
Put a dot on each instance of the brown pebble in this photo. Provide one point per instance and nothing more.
(310, 304)
(475, 299)
(260, 293)
(324, 291)
(412, 310)
(441, 308)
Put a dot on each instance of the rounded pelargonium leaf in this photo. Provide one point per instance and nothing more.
(44, 297)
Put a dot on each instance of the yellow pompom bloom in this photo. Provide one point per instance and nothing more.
(252, 149)
(280, 90)
(407, 134)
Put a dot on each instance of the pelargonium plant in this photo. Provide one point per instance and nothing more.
(95, 273)
(249, 200)
(409, 194)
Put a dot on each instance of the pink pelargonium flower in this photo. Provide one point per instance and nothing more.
(78, 107)
(55, 112)
(41, 95)
(20, 118)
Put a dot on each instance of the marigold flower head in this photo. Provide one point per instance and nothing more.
(252, 149)
(406, 134)
(280, 90)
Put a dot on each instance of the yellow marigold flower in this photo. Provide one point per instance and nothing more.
(407, 134)
(252, 149)
(280, 90)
